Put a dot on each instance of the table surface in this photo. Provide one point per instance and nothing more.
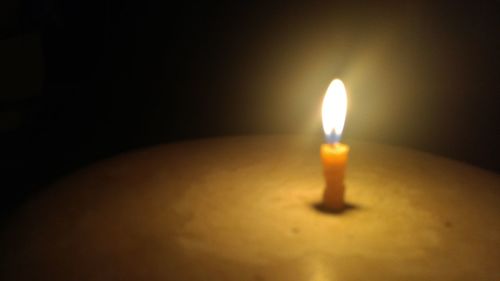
(245, 208)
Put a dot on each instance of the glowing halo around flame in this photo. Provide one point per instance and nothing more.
(334, 111)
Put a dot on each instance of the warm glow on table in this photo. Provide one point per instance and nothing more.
(245, 208)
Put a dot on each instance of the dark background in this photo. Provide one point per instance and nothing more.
(80, 81)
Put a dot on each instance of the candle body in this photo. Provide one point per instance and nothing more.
(334, 159)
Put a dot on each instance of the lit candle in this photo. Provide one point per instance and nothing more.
(333, 153)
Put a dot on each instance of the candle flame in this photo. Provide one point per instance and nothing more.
(334, 111)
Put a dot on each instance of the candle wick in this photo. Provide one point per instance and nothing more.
(332, 138)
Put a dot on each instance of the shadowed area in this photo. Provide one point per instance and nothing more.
(82, 81)
(348, 207)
